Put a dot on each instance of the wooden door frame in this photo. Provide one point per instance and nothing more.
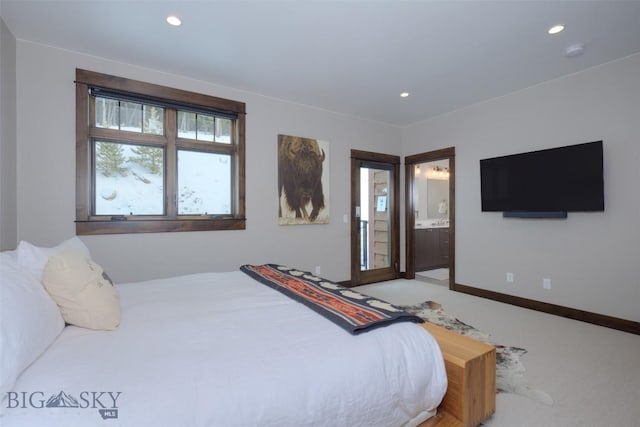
(359, 277)
(410, 220)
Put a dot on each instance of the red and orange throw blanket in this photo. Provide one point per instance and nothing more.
(351, 310)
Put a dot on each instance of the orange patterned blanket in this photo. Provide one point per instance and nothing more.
(349, 309)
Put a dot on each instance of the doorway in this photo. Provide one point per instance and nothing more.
(430, 215)
(375, 224)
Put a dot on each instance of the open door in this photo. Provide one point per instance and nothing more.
(375, 217)
(430, 213)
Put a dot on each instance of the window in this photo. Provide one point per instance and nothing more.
(154, 159)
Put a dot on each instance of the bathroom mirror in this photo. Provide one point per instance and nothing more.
(431, 190)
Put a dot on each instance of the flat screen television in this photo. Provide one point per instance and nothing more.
(544, 182)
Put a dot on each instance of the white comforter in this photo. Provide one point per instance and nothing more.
(220, 349)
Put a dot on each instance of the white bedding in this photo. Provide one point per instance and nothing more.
(220, 349)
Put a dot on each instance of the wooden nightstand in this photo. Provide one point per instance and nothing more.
(471, 372)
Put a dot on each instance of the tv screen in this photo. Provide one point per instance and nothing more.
(564, 179)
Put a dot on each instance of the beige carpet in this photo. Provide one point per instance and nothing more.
(590, 371)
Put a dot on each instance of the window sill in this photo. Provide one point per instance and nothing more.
(158, 226)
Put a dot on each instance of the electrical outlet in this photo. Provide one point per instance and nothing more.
(509, 277)
(546, 283)
(318, 270)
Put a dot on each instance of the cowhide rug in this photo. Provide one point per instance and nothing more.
(509, 368)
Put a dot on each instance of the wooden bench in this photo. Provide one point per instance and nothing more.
(471, 372)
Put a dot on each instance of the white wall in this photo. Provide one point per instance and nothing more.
(8, 210)
(46, 176)
(592, 258)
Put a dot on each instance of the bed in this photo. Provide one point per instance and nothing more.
(223, 349)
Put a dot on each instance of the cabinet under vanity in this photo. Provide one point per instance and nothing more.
(432, 248)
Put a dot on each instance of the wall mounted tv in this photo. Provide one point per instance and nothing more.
(545, 183)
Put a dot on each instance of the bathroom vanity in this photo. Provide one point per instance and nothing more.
(432, 246)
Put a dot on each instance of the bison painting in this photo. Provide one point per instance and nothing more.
(300, 168)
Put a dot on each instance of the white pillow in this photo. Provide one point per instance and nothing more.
(34, 258)
(12, 254)
(29, 321)
(86, 297)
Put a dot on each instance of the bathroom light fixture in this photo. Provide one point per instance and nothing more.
(174, 20)
(404, 94)
(556, 29)
(438, 172)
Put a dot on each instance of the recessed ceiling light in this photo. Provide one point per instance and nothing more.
(174, 20)
(404, 94)
(555, 29)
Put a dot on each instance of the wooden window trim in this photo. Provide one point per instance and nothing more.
(87, 224)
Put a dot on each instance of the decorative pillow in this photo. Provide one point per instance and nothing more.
(29, 321)
(34, 258)
(85, 297)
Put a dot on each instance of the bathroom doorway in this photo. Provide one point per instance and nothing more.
(430, 216)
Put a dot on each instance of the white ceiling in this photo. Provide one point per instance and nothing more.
(352, 57)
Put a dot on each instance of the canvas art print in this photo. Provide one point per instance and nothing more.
(303, 180)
